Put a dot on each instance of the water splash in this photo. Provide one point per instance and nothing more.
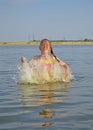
(35, 73)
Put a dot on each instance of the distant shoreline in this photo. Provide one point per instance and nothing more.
(52, 42)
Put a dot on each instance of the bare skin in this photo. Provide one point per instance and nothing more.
(47, 53)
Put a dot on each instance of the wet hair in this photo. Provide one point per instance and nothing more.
(42, 41)
(52, 52)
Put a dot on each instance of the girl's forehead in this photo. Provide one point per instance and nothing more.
(45, 42)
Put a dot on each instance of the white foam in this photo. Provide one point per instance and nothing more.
(35, 73)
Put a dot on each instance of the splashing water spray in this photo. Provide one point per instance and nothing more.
(36, 74)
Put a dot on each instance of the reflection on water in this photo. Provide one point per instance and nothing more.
(35, 95)
(46, 96)
(47, 113)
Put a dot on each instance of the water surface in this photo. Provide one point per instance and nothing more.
(54, 106)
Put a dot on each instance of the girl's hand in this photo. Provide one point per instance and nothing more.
(66, 76)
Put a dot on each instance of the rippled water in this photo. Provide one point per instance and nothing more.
(55, 106)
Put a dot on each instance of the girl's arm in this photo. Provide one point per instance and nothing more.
(67, 69)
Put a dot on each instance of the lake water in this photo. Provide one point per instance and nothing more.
(54, 106)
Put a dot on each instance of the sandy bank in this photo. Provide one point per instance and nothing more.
(53, 42)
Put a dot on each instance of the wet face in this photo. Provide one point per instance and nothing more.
(45, 46)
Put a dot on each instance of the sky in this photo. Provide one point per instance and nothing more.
(25, 20)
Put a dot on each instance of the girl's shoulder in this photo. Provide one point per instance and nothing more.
(36, 57)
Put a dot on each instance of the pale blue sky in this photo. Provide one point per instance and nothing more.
(52, 19)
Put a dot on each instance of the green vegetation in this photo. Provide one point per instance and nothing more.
(85, 41)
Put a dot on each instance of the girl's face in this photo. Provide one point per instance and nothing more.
(45, 46)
